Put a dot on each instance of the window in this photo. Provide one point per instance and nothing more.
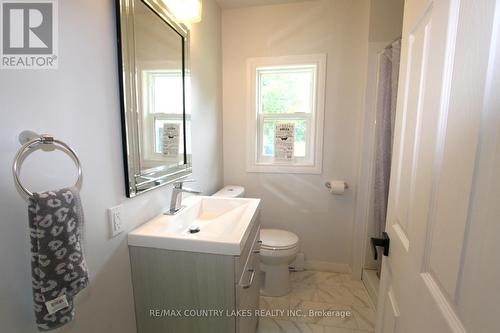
(286, 91)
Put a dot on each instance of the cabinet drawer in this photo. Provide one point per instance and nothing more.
(252, 244)
(248, 290)
(251, 267)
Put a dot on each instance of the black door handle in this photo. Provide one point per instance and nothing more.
(380, 242)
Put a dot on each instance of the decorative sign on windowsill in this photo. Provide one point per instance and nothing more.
(171, 139)
(284, 139)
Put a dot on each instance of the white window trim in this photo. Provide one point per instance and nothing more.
(315, 164)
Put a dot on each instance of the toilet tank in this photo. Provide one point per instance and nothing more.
(231, 191)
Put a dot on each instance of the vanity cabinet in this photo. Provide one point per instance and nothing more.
(180, 291)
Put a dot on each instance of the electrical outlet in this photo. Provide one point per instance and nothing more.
(115, 220)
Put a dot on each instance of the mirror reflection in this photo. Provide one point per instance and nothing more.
(159, 63)
(156, 122)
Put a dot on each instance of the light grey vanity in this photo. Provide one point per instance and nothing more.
(202, 282)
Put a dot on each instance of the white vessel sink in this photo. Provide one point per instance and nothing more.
(206, 224)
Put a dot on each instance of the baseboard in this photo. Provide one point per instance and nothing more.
(327, 266)
(371, 282)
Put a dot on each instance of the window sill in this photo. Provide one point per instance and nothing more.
(276, 168)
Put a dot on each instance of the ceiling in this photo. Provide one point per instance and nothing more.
(249, 3)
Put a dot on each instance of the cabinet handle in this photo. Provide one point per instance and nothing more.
(249, 284)
(257, 251)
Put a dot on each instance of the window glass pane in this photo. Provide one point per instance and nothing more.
(286, 90)
(167, 93)
(268, 136)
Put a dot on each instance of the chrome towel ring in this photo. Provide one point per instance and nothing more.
(29, 142)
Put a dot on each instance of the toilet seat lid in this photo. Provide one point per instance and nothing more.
(278, 239)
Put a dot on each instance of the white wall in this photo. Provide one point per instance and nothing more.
(386, 20)
(301, 203)
(79, 103)
(206, 99)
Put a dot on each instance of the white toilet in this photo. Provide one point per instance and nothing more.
(230, 191)
(278, 249)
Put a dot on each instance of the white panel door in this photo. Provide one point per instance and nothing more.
(442, 274)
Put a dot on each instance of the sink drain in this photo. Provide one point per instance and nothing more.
(194, 229)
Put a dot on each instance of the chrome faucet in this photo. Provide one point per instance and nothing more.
(176, 200)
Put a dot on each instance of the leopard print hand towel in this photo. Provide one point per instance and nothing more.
(58, 265)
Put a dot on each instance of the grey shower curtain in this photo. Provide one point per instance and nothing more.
(385, 114)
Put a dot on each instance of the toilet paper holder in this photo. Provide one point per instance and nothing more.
(328, 185)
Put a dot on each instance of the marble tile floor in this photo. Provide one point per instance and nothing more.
(320, 302)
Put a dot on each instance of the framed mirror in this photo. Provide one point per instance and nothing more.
(154, 75)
